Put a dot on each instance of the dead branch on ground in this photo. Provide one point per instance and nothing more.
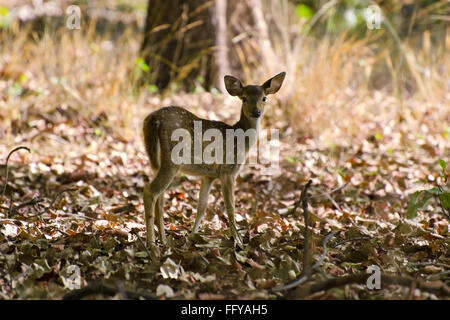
(6, 165)
(438, 287)
(101, 288)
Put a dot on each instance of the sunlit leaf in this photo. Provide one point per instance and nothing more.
(443, 164)
(304, 11)
(417, 201)
(445, 200)
(435, 191)
(140, 62)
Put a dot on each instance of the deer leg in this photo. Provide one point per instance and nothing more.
(159, 217)
(202, 201)
(151, 193)
(228, 195)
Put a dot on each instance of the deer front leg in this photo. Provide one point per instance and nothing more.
(228, 195)
(202, 201)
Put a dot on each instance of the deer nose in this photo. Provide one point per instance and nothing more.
(256, 113)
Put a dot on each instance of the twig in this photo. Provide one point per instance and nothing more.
(350, 240)
(125, 208)
(438, 288)
(306, 254)
(76, 216)
(6, 165)
(60, 193)
(428, 263)
(30, 202)
(303, 278)
(324, 253)
(438, 275)
(333, 202)
(10, 204)
(35, 201)
(323, 194)
(331, 191)
(133, 231)
(100, 288)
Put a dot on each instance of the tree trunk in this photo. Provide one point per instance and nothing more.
(197, 42)
(221, 56)
(179, 40)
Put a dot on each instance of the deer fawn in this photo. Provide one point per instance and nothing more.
(159, 127)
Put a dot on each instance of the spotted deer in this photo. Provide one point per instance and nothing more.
(159, 128)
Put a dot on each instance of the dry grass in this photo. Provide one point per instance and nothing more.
(79, 69)
(343, 89)
(327, 94)
(70, 97)
(334, 98)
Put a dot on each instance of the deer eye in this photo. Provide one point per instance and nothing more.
(244, 99)
(264, 99)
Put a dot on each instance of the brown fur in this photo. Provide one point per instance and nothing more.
(158, 129)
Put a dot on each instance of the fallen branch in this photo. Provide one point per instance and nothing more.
(30, 202)
(329, 197)
(304, 278)
(133, 231)
(6, 165)
(10, 204)
(350, 240)
(438, 288)
(324, 253)
(307, 269)
(323, 194)
(439, 275)
(125, 208)
(60, 193)
(428, 263)
(327, 194)
(100, 288)
(35, 201)
(306, 252)
(333, 202)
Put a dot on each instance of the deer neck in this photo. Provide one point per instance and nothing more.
(245, 123)
(251, 124)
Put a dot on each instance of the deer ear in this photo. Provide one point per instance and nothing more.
(233, 85)
(272, 85)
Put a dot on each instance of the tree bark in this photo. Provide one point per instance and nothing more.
(179, 40)
(198, 42)
(221, 56)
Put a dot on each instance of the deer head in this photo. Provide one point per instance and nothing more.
(253, 97)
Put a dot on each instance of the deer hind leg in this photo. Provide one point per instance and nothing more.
(228, 195)
(202, 201)
(159, 217)
(152, 191)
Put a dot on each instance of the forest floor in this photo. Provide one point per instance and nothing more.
(72, 214)
(71, 209)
